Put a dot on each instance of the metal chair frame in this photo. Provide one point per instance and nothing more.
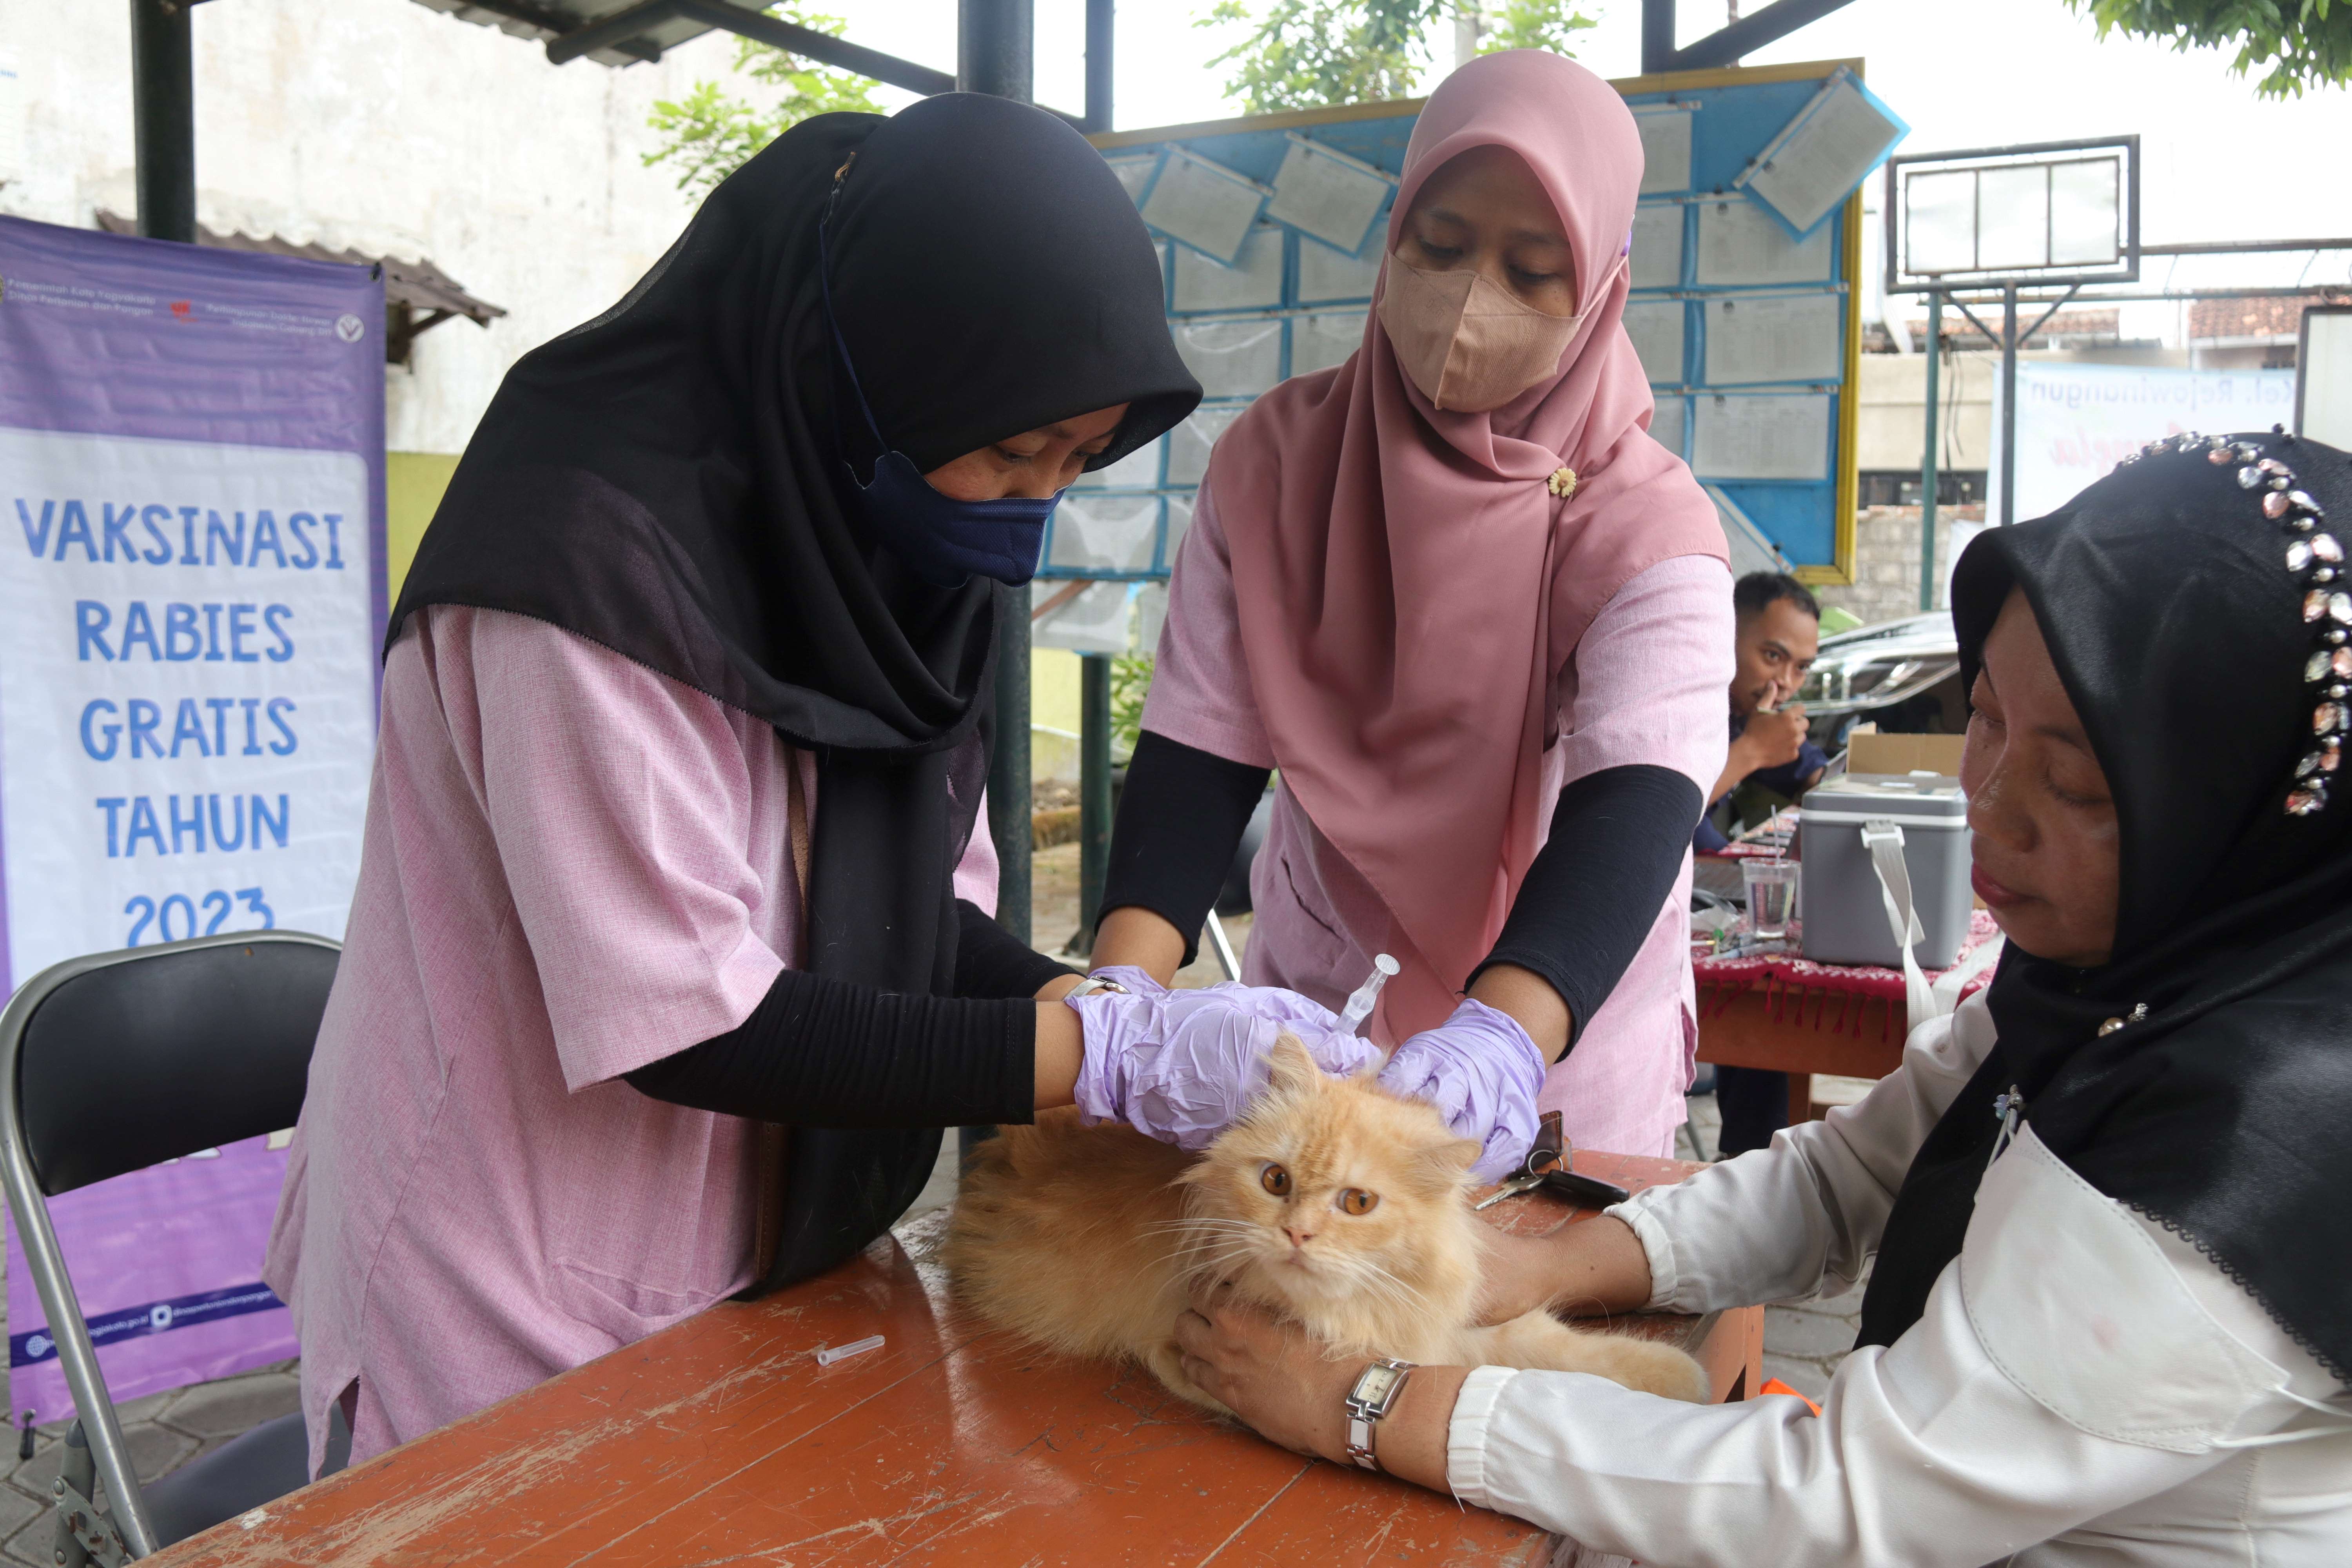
(77, 1357)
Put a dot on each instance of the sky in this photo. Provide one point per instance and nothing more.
(2219, 162)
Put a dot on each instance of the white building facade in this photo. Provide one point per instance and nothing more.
(384, 127)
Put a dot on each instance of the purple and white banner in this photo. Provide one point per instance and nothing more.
(191, 595)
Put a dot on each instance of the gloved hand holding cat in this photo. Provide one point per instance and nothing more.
(1182, 1066)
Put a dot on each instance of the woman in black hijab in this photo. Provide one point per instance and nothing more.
(2110, 1318)
(656, 986)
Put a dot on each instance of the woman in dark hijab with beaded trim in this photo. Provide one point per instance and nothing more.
(2109, 1199)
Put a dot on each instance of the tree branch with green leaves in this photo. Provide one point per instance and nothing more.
(2297, 43)
(1313, 54)
(711, 132)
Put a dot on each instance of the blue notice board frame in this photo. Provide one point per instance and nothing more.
(1291, 303)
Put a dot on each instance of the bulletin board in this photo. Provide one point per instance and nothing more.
(1271, 230)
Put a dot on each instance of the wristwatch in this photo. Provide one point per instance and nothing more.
(1089, 986)
(1376, 1390)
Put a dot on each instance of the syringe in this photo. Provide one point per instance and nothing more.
(1360, 1005)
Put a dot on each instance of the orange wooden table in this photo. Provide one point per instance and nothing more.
(721, 1440)
(1848, 1036)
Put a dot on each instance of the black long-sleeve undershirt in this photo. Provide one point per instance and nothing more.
(1591, 898)
(821, 1052)
(1584, 909)
(1180, 820)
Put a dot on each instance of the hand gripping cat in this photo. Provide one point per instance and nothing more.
(1334, 1202)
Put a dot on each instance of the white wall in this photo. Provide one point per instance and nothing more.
(389, 128)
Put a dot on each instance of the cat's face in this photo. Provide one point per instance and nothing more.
(1332, 1190)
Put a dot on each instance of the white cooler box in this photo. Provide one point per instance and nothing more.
(1872, 843)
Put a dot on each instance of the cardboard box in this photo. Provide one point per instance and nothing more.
(1868, 751)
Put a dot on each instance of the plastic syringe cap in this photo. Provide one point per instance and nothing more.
(1386, 964)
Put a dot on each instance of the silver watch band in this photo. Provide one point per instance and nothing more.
(1089, 986)
(1372, 1398)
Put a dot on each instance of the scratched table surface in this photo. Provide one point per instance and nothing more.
(720, 1440)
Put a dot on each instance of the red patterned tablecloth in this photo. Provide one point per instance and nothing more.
(1792, 983)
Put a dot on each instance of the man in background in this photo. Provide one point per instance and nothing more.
(1779, 635)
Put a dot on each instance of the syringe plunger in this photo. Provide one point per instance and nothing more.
(1360, 1005)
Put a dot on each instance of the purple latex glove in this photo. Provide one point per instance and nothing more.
(1183, 1066)
(1482, 1073)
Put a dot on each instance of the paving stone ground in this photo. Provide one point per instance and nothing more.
(164, 1431)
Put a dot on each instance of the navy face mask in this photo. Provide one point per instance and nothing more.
(943, 541)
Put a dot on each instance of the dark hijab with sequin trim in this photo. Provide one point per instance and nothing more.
(2196, 608)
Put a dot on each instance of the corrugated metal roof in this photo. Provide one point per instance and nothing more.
(543, 19)
(419, 284)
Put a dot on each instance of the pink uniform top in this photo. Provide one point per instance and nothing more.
(1646, 683)
(572, 867)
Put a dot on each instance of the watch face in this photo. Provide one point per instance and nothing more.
(1377, 1383)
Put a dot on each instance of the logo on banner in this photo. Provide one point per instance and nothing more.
(347, 327)
(182, 309)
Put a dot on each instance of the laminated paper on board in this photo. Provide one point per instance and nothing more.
(1324, 274)
(1657, 261)
(1665, 149)
(1829, 149)
(1207, 206)
(1253, 281)
(1740, 243)
(1233, 359)
(1783, 337)
(1762, 438)
(1327, 195)
(1655, 326)
(1320, 341)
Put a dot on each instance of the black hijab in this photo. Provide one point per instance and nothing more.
(667, 480)
(2199, 618)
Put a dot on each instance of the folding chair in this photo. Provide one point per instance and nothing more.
(113, 1063)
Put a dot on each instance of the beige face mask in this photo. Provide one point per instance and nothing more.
(1470, 344)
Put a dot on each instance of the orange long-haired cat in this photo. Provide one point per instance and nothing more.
(1338, 1204)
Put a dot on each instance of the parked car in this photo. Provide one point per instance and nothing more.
(1904, 675)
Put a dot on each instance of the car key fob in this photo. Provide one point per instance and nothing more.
(1590, 1191)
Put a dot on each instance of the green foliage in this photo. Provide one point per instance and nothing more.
(1130, 683)
(1309, 54)
(2297, 44)
(1535, 25)
(710, 134)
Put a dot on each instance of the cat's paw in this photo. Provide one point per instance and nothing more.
(1654, 1368)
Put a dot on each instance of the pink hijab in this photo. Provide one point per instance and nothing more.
(1407, 583)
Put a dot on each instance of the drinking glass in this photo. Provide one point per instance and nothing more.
(1772, 897)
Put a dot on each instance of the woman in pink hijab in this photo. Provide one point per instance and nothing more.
(1481, 623)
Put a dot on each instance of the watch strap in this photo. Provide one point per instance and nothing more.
(1364, 1415)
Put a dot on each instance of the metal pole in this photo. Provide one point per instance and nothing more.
(163, 119)
(1098, 64)
(1094, 791)
(1929, 453)
(995, 52)
(996, 49)
(2008, 404)
(1009, 806)
(1657, 36)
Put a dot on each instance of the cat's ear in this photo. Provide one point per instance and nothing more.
(1290, 1071)
(1453, 1156)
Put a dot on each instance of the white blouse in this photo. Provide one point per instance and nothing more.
(2084, 1387)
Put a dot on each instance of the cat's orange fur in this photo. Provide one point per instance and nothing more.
(1085, 1239)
